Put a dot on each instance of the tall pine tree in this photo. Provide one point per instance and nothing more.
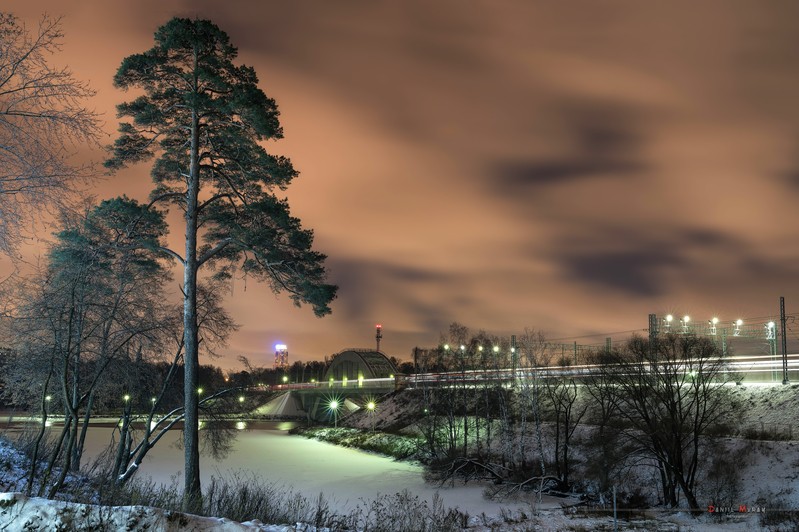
(202, 118)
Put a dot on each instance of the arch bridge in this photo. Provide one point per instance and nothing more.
(355, 377)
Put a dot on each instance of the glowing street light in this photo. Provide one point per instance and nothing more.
(333, 407)
(669, 318)
(771, 331)
(370, 406)
(713, 322)
(285, 379)
(241, 398)
(737, 330)
(126, 397)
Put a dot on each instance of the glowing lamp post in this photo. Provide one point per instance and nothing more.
(333, 406)
(370, 406)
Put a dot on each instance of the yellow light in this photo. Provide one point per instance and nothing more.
(126, 397)
(199, 390)
(285, 378)
(370, 405)
(241, 398)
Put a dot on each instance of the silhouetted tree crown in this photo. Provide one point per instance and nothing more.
(188, 79)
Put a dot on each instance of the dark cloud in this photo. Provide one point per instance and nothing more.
(636, 272)
(536, 173)
(638, 263)
(601, 139)
(709, 238)
(364, 285)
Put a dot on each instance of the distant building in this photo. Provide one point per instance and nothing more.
(281, 357)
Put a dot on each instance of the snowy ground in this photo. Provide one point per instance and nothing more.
(761, 475)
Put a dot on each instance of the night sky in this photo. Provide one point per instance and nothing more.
(569, 167)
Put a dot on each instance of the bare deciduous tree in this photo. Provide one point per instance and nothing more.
(42, 122)
(671, 394)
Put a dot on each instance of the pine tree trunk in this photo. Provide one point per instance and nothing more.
(192, 494)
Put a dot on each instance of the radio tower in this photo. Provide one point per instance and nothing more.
(378, 335)
(281, 356)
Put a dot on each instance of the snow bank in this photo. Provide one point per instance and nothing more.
(18, 512)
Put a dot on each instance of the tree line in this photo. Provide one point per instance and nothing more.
(650, 405)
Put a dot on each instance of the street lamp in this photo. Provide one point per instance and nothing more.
(334, 408)
(47, 400)
(370, 406)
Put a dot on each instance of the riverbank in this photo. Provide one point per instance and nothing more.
(397, 446)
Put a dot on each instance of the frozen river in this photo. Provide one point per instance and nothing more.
(345, 476)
